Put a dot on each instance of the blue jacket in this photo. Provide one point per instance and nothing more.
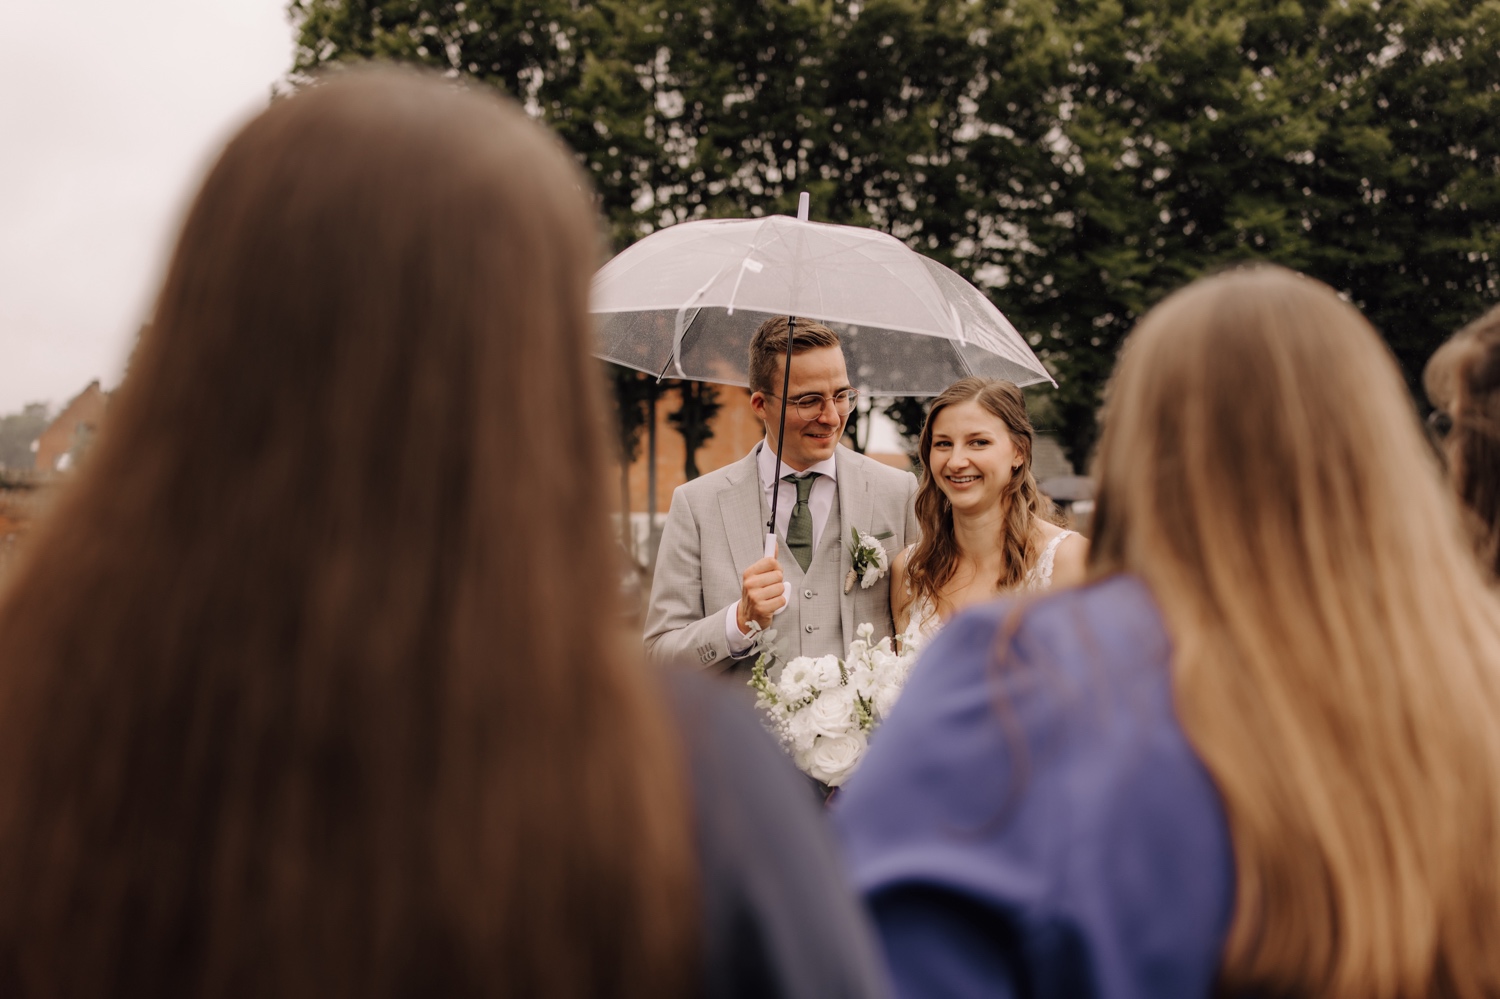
(1036, 823)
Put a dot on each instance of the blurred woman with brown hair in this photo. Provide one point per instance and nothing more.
(314, 684)
(984, 525)
(1463, 382)
(1260, 753)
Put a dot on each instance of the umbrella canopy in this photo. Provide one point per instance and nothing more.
(685, 301)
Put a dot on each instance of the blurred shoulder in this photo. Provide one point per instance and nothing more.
(1116, 612)
(779, 918)
(1111, 620)
(742, 779)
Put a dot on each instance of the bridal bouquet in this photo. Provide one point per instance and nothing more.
(825, 709)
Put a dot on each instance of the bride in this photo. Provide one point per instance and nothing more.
(984, 532)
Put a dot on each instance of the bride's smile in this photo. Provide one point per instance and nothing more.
(972, 457)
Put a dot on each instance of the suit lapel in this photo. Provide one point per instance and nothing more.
(854, 511)
(739, 505)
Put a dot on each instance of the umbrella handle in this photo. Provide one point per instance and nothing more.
(786, 587)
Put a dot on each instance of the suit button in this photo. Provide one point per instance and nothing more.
(808, 629)
(808, 594)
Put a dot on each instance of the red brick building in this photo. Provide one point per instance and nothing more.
(72, 431)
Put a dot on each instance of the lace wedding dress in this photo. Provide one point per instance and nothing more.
(923, 621)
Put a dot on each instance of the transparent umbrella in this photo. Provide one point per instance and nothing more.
(686, 300)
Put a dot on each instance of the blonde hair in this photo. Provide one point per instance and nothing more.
(1336, 649)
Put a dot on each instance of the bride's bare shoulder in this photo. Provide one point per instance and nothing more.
(1047, 529)
(1070, 561)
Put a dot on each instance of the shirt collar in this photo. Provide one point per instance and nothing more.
(765, 460)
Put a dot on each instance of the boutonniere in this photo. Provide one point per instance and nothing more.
(867, 559)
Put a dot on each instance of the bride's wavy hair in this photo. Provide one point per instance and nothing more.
(1463, 380)
(935, 558)
(313, 684)
(1336, 656)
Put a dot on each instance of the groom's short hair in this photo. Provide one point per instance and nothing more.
(769, 343)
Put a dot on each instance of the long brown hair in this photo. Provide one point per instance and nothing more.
(312, 687)
(1336, 654)
(935, 559)
(1463, 381)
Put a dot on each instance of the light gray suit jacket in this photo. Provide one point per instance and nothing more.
(716, 529)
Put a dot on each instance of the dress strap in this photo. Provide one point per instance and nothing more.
(1051, 548)
(1040, 576)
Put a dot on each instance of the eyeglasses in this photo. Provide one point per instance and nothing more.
(810, 407)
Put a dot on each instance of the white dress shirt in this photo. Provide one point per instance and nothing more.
(819, 505)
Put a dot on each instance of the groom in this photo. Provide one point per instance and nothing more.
(712, 580)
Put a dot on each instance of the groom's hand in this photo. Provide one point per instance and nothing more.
(761, 594)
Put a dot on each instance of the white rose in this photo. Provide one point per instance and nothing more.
(833, 759)
(826, 673)
(832, 713)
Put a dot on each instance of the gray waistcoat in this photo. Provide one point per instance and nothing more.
(811, 624)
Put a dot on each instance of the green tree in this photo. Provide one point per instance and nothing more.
(709, 109)
(632, 393)
(1079, 159)
(1142, 144)
(18, 432)
(693, 419)
(857, 426)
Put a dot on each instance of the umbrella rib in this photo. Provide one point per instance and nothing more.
(963, 362)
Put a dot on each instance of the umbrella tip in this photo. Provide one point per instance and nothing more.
(803, 202)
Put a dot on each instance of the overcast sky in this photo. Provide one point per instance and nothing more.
(110, 112)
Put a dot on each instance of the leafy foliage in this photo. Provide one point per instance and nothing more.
(693, 419)
(1078, 158)
(632, 393)
(1144, 144)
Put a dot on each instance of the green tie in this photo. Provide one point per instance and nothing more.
(799, 528)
